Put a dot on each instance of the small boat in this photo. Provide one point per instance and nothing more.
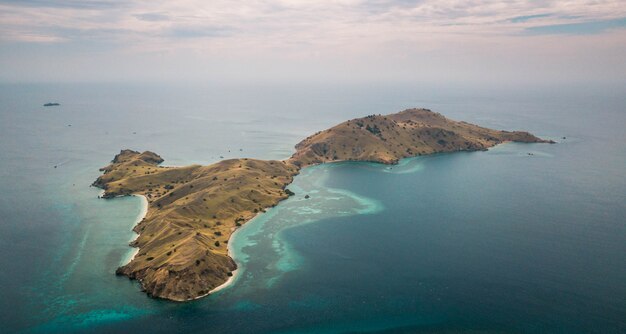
(51, 104)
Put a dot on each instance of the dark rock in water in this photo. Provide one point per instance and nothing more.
(289, 192)
(120, 271)
(564, 138)
(51, 104)
(307, 196)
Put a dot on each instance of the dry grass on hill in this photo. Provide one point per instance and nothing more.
(193, 210)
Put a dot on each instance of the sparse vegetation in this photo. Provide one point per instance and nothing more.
(236, 189)
(373, 129)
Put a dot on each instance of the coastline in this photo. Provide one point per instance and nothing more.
(142, 214)
(200, 204)
(231, 280)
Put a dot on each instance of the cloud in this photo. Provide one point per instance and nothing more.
(311, 22)
(29, 37)
(152, 17)
(526, 18)
(355, 37)
(580, 28)
(76, 4)
(199, 31)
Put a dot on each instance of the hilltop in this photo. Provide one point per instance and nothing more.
(388, 138)
(192, 212)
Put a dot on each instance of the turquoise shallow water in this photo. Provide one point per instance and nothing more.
(490, 242)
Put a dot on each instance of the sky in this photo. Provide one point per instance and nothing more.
(443, 41)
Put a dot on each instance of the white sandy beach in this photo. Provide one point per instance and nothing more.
(142, 214)
(134, 250)
(231, 279)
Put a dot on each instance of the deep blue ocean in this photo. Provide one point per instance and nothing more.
(500, 241)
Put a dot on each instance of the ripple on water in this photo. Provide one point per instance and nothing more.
(88, 319)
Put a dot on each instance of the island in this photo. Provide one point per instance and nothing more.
(52, 104)
(192, 211)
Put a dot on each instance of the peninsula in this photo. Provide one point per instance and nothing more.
(193, 210)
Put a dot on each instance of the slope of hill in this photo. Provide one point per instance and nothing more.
(386, 139)
(192, 211)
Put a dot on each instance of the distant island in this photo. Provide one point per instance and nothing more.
(193, 210)
(51, 104)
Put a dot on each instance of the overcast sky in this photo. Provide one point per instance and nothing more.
(344, 41)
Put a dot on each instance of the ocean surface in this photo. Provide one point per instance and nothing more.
(501, 241)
